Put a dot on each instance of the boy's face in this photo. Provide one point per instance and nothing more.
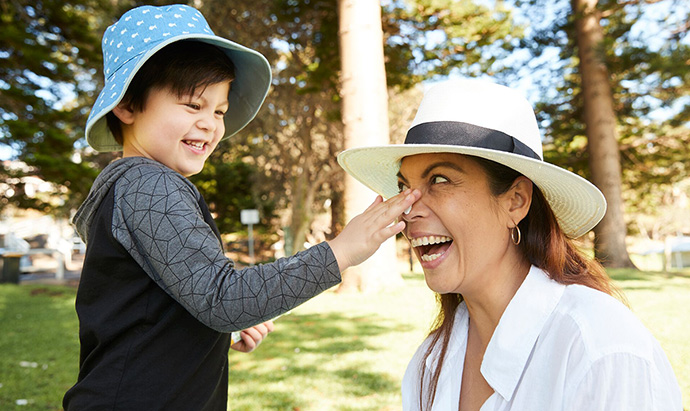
(180, 132)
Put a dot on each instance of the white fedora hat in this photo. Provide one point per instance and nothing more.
(482, 119)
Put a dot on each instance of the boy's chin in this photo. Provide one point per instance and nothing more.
(190, 171)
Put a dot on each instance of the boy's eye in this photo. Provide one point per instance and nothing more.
(220, 113)
(193, 106)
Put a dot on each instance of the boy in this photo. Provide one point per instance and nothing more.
(157, 297)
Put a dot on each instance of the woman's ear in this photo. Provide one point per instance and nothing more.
(124, 113)
(518, 199)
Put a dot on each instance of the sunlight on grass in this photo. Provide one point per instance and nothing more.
(39, 346)
(336, 352)
(662, 302)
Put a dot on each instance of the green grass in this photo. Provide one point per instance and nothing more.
(662, 302)
(39, 346)
(336, 352)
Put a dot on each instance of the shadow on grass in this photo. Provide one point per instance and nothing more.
(333, 333)
(626, 274)
(301, 351)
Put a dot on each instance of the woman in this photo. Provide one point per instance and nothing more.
(526, 321)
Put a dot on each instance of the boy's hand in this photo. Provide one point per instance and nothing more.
(252, 337)
(363, 235)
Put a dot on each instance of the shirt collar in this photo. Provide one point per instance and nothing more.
(517, 331)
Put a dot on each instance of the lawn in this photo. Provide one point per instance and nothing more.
(336, 352)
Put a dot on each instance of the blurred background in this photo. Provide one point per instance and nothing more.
(610, 81)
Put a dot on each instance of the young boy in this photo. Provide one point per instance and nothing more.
(157, 297)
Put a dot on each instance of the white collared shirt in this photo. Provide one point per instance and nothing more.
(556, 347)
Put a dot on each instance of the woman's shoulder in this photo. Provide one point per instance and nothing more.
(602, 324)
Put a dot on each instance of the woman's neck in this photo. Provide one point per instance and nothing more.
(487, 305)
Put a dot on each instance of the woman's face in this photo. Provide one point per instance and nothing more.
(457, 228)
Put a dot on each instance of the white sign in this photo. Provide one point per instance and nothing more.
(249, 216)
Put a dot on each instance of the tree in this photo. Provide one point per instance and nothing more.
(600, 121)
(293, 141)
(645, 52)
(365, 117)
(49, 52)
(227, 186)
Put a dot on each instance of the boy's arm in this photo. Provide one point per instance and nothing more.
(159, 222)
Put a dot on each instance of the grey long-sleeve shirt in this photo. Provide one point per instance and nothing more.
(157, 295)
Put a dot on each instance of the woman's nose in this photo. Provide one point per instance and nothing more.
(416, 210)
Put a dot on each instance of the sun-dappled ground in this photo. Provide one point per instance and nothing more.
(335, 352)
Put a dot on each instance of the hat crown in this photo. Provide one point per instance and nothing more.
(484, 104)
(142, 28)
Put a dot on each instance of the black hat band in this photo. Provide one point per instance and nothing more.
(456, 133)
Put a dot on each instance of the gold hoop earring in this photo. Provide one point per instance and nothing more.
(515, 235)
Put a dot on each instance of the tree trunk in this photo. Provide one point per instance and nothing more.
(301, 212)
(600, 122)
(365, 120)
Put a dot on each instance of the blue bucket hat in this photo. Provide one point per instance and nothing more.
(140, 33)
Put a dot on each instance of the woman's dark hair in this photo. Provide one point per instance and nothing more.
(544, 245)
(183, 67)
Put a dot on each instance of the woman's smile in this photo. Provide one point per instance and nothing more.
(431, 250)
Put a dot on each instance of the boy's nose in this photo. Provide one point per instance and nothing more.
(207, 122)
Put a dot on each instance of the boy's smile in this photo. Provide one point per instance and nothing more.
(179, 132)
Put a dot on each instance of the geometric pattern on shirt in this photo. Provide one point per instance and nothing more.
(158, 220)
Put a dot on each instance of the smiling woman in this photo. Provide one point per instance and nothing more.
(526, 321)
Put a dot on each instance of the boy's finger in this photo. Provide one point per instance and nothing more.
(251, 337)
(377, 200)
(392, 230)
(397, 206)
(249, 342)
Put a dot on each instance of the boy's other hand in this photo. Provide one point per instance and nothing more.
(252, 337)
(363, 235)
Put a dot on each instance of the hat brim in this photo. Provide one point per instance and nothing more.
(247, 93)
(577, 204)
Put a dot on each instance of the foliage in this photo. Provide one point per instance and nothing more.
(432, 38)
(226, 184)
(335, 352)
(48, 52)
(646, 53)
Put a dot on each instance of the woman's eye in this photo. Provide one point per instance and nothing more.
(402, 187)
(438, 180)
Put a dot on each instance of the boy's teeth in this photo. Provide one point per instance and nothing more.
(195, 144)
(432, 239)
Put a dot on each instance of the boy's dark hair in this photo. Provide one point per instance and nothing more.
(183, 66)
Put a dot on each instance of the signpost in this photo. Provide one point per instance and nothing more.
(250, 217)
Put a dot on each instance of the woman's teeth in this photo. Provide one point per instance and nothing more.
(432, 257)
(429, 241)
(432, 239)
